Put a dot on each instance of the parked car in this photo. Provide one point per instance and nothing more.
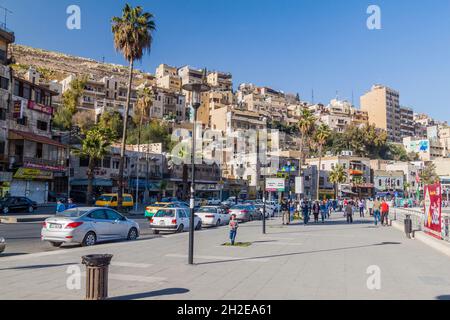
(17, 204)
(173, 220)
(151, 210)
(213, 216)
(2, 245)
(214, 202)
(243, 212)
(269, 210)
(110, 200)
(88, 226)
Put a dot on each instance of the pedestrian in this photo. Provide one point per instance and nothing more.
(370, 206)
(305, 212)
(70, 204)
(348, 210)
(376, 211)
(316, 211)
(233, 229)
(60, 207)
(323, 211)
(384, 213)
(285, 212)
(361, 208)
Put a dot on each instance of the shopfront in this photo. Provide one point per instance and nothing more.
(31, 183)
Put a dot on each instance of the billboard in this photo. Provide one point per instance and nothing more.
(433, 209)
(299, 186)
(275, 185)
(419, 146)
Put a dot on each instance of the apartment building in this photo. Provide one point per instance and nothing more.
(167, 78)
(169, 105)
(407, 128)
(358, 179)
(388, 182)
(427, 149)
(382, 105)
(338, 115)
(220, 81)
(410, 172)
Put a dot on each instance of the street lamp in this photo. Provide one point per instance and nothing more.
(196, 89)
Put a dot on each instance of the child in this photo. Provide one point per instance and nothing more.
(233, 229)
(60, 207)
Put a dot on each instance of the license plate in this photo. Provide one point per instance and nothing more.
(55, 226)
(162, 223)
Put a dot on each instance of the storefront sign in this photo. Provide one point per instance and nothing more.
(275, 185)
(19, 106)
(46, 167)
(33, 174)
(40, 107)
(433, 209)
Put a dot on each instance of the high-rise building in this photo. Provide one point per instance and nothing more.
(383, 107)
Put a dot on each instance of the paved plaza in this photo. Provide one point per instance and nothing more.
(329, 261)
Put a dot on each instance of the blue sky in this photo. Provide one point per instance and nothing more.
(290, 45)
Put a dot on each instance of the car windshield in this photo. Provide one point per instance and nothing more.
(165, 214)
(72, 213)
(240, 207)
(105, 198)
(207, 209)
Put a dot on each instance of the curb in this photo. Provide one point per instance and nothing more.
(436, 244)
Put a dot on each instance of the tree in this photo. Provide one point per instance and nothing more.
(428, 174)
(132, 37)
(113, 121)
(305, 125)
(337, 176)
(94, 146)
(154, 132)
(142, 109)
(83, 120)
(321, 136)
(70, 102)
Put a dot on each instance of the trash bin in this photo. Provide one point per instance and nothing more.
(97, 266)
(408, 225)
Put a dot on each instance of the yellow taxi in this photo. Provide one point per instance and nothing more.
(151, 210)
(110, 200)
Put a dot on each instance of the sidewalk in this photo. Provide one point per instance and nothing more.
(318, 261)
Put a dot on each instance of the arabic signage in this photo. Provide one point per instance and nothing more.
(40, 107)
(33, 174)
(46, 167)
(275, 185)
(18, 109)
(433, 209)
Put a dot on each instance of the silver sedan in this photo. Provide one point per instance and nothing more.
(88, 226)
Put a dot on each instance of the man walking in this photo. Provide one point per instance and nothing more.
(348, 210)
(376, 211)
(370, 206)
(316, 211)
(384, 213)
(361, 208)
(305, 211)
(285, 212)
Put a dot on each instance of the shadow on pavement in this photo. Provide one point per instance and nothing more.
(42, 266)
(12, 254)
(152, 294)
(300, 253)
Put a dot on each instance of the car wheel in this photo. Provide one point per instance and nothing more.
(5, 210)
(133, 234)
(180, 228)
(89, 239)
(56, 244)
(30, 209)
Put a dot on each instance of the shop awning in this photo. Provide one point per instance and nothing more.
(21, 135)
(96, 182)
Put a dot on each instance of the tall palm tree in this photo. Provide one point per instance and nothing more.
(132, 37)
(322, 134)
(305, 125)
(94, 146)
(337, 176)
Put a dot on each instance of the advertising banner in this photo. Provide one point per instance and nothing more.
(275, 185)
(433, 209)
(299, 186)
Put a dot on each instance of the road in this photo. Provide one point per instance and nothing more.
(319, 261)
(25, 238)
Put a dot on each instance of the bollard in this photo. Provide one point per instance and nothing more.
(408, 226)
(97, 266)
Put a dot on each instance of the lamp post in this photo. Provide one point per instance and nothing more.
(196, 89)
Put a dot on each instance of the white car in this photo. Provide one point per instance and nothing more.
(214, 202)
(269, 209)
(213, 216)
(173, 220)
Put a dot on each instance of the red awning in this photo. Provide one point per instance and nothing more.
(19, 135)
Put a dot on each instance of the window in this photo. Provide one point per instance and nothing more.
(107, 162)
(98, 215)
(23, 121)
(4, 83)
(42, 125)
(84, 162)
(111, 215)
(39, 150)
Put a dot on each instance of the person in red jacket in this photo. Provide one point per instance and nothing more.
(384, 212)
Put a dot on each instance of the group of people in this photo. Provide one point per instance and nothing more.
(61, 207)
(378, 208)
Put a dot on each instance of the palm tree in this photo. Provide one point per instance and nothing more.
(94, 146)
(142, 110)
(132, 37)
(323, 132)
(305, 125)
(337, 176)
